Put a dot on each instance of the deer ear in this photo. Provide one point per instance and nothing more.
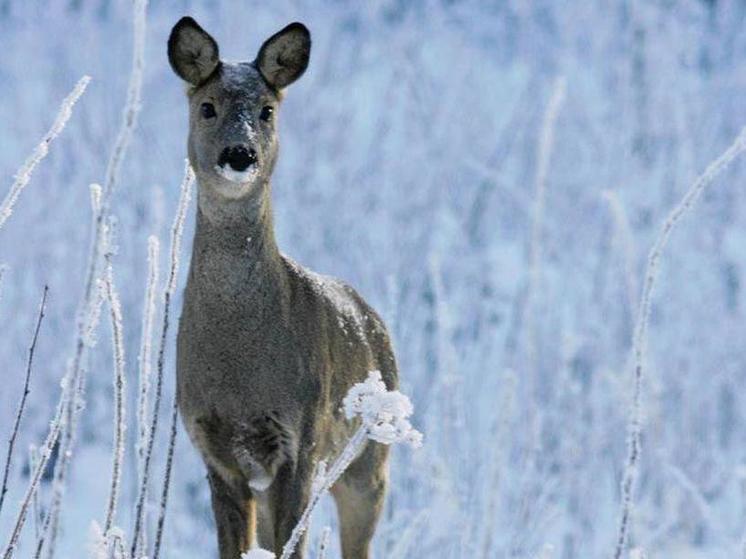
(192, 52)
(284, 56)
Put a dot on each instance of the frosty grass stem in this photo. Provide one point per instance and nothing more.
(24, 396)
(177, 230)
(115, 314)
(634, 427)
(324, 542)
(88, 308)
(384, 419)
(23, 175)
(145, 358)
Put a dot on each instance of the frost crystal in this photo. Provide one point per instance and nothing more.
(383, 412)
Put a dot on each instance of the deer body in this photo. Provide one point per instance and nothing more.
(266, 349)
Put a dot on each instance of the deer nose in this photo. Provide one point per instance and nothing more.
(238, 157)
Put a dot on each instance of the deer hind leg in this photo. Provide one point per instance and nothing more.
(235, 517)
(359, 495)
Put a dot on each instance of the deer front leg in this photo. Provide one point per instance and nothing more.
(290, 497)
(235, 512)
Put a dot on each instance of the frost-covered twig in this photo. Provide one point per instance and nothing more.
(324, 542)
(44, 455)
(146, 347)
(166, 479)
(177, 231)
(641, 328)
(36, 509)
(115, 314)
(384, 419)
(545, 148)
(24, 396)
(145, 358)
(88, 309)
(23, 175)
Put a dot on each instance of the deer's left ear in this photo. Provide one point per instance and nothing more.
(284, 56)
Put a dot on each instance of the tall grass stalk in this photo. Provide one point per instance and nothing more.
(115, 315)
(23, 175)
(634, 428)
(24, 397)
(177, 231)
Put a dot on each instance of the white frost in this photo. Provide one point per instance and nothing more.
(383, 412)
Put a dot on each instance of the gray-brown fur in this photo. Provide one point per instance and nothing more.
(266, 349)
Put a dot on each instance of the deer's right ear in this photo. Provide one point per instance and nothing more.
(192, 52)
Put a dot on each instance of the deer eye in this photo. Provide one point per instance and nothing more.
(208, 110)
(266, 113)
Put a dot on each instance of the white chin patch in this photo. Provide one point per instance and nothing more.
(239, 177)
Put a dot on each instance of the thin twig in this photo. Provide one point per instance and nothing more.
(634, 427)
(166, 478)
(115, 313)
(177, 230)
(26, 390)
(44, 456)
(145, 370)
(23, 175)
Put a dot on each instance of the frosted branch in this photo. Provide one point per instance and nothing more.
(115, 314)
(23, 175)
(177, 231)
(24, 396)
(634, 428)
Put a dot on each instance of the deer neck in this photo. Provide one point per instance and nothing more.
(235, 255)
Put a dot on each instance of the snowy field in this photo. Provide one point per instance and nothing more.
(491, 177)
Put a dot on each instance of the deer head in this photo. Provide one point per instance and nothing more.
(233, 106)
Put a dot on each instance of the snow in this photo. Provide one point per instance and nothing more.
(411, 151)
(385, 413)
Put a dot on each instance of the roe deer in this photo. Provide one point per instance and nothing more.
(266, 349)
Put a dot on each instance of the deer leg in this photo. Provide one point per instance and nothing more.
(359, 495)
(235, 517)
(289, 500)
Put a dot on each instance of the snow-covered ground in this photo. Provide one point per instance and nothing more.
(429, 158)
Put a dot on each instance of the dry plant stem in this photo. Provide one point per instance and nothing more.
(36, 509)
(23, 175)
(177, 230)
(24, 396)
(324, 542)
(634, 429)
(145, 371)
(115, 314)
(545, 148)
(166, 479)
(89, 301)
(44, 455)
(348, 454)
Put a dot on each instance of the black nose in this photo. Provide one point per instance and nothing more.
(238, 157)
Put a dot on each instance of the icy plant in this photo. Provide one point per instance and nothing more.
(24, 396)
(384, 413)
(641, 327)
(23, 175)
(115, 313)
(177, 232)
(384, 418)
